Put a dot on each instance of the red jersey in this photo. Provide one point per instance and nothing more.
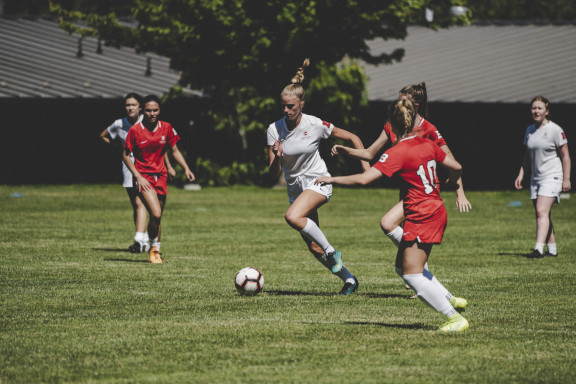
(424, 129)
(414, 159)
(149, 148)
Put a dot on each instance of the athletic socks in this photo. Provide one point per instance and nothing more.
(552, 249)
(539, 247)
(313, 232)
(396, 235)
(430, 293)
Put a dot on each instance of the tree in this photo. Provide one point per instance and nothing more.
(527, 10)
(241, 53)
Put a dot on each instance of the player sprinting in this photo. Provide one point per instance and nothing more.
(391, 222)
(548, 157)
(294, 148)
(148, 141)
(415, 159)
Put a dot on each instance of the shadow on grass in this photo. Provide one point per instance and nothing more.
(111, 250)
(386, 296)
(403, 326)
(515, 254)
(129, 260)
(299, 293)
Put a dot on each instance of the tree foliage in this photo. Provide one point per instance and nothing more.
(527, 10)
(241, 53)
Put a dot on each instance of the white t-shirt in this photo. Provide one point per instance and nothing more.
(301, 156)
(544, 144)
(119, 129)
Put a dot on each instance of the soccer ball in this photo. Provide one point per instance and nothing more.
(249, 281)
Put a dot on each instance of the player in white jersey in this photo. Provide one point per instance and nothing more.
(293, 148)
(116, 133)
(549, 160)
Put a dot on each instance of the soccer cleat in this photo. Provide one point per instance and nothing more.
(459, 303)
(139, 247)
(548, 254)
(455, 323)
(536, 254)
(414, 296)
(155, 256)
(335, 259)
(348, 288)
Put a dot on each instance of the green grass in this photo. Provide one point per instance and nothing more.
(75, 307)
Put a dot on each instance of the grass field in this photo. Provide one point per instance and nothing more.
(75, 307)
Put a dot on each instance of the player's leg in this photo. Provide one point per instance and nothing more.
(391, 221)
(154, 206)
(410, 259)
(303, 216)
(140, 220)
(544, 230)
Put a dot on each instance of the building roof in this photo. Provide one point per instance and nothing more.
(40, 60)
(488, 64)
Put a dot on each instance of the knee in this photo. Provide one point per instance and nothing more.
(388, 225)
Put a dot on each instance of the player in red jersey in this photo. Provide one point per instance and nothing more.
(391, 222)
(415, 159)
(148, 141)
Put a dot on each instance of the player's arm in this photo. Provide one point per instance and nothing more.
(169, 168)
(343, 134)
(362, 154)
(180, 160)
(462, 203)
(142, 182)
(105, 136)
(455, 169)
(358, 179)
(566, 164)
(274, 155)
(523, 168)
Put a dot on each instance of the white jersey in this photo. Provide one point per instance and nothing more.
(300, 147)
(118, 130)
(544, 144)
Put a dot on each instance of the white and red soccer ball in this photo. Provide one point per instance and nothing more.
(249, 281)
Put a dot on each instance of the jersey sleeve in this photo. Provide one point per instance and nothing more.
(390, 162)
(326, 128)
(130, 140)
(272, 134)
(440, 154)
(391, 135)
(114, 128)
(173, 137)
(560, 138)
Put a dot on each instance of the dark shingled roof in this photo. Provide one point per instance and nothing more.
(487, 64)
(38, 59)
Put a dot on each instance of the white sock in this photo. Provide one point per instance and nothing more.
(313, 232)
(429, 293)
(396, 235)
(141, 237)
(156, 243)
(552, 249)
(427, 274)
(539, 247)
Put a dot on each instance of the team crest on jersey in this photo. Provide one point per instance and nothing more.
(163, 140)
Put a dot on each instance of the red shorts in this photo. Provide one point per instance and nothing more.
(158, 181)
(429, 231)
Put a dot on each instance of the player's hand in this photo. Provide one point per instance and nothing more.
(336, 150)
(518, 182)
(277, 148)
(323, 180)
(566, 185)
(171, 173)
(143, 184)
(463, 204)
(190, 176)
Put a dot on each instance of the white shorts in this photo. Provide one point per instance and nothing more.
(127, 181)
(298, 185)
(548, 188)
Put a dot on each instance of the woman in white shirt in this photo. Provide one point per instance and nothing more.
(294, 148)
(549, 160)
